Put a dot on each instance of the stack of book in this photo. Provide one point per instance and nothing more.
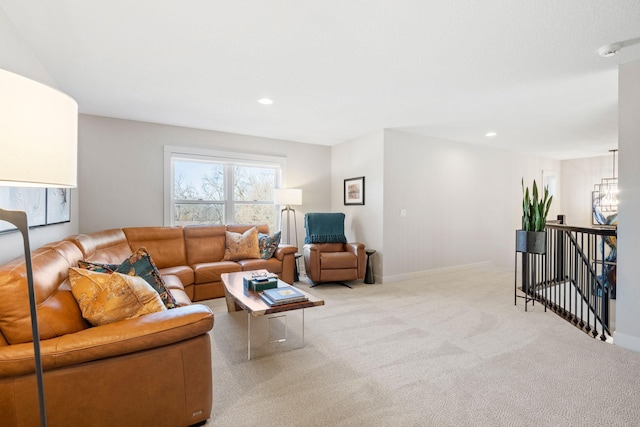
(283, 295)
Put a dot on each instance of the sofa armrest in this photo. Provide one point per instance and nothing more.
(311, 252)
(115, 339)
(284, 250)
(357, 249)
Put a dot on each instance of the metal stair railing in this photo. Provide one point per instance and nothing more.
(575, 278)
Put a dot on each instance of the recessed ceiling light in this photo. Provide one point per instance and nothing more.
(489, 134)
(265, 101)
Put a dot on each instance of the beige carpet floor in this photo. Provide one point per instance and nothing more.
(450, 349)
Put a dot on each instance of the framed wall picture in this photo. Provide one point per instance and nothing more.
(29, 199)
(58, 205)
(354, 191)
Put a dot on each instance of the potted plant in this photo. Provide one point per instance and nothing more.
(532, 237)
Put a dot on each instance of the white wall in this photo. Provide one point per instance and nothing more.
(17, 57)
(361, 157)
(462, 202)
(121, 169)
(578, 179)
(628, 292)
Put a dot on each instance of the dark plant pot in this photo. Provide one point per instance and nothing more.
(531, 242)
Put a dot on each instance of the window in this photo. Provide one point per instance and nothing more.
(209, 187)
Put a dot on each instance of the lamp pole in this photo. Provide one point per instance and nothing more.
(19, 219)
(289, 209)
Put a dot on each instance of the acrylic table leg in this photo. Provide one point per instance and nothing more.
(248, 335)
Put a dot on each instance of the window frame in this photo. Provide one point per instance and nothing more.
(229, 159)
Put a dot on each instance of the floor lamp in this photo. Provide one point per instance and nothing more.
(38, 148)
(287, 197)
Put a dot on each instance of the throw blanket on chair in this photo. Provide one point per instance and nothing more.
(324, 228)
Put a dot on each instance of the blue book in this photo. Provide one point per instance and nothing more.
(283, 295)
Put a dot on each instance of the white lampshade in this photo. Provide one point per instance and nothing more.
(38, 134)
(288, 196)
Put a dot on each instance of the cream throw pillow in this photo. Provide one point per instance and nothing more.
(106, 298)
(242, 246)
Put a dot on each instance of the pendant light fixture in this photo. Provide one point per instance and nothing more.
(605, 194)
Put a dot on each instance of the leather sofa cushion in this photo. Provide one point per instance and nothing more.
(328, 247)
(241, 228)
(165, 244)
(208, 272)
(339, 275)
(174, 284)
(184, 273)
(272, 264)
(204, 243)
(108, 246)
(118, 338)
(338, 260)
(58, 311)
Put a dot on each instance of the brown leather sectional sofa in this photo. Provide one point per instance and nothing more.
(193, 254)
(153, 370)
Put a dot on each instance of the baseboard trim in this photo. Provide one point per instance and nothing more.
(434, 272)
(627, 341)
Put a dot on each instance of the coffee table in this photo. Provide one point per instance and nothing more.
(239, 298)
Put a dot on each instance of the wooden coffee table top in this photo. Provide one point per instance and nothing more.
(240, 298)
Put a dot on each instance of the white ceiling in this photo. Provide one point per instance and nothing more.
(338, 69)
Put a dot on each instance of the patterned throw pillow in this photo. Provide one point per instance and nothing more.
(268, 244)
(98, 267)
(242, 246)
(141, 264)
(105, 298)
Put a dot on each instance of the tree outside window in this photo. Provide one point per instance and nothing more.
(216, 192)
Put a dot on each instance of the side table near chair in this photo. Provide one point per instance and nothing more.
(368, 277)
(296, 272)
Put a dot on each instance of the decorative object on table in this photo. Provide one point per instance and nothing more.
(604, 198)
(369, 278)
(38, 147)
(354, 191)
(282, 295)
(287, 197)
(260, 282)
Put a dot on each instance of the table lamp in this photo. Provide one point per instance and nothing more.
(288, 197)
(38, 148)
